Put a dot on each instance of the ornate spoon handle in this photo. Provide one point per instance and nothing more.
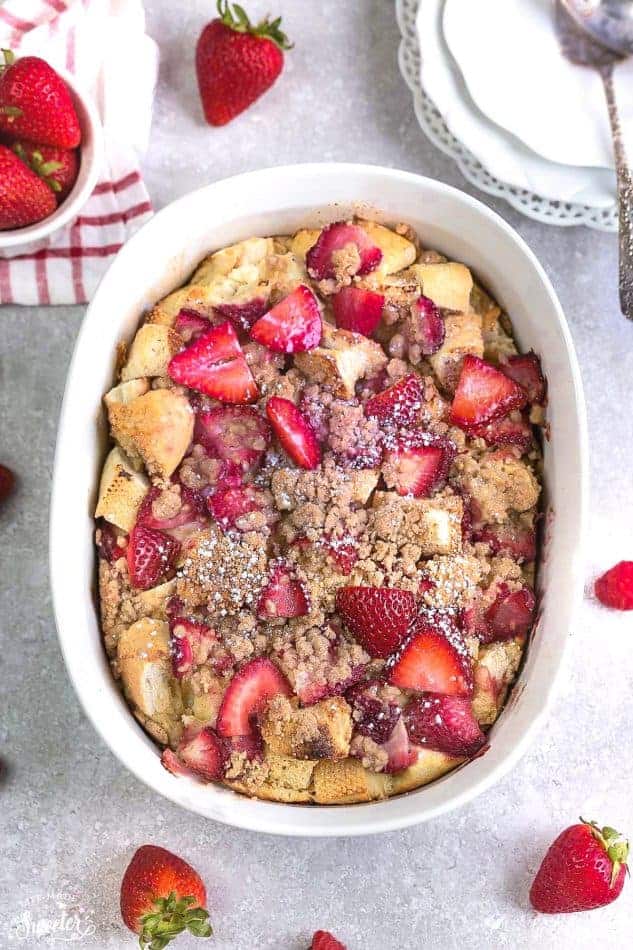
(625, 196)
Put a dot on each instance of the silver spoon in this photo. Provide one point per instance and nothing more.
(599, 33)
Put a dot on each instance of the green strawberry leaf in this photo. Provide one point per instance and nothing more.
(236, 18)
(172, 916)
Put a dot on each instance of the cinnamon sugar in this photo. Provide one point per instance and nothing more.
(222, 571)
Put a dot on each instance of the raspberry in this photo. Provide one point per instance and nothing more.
(615, 588)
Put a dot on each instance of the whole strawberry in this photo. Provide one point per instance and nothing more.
(584, 869)
(237, 62)
(7, 482)
(24, 197)
(324, 940)
(161, 897)
(58, 167)
(35, 103)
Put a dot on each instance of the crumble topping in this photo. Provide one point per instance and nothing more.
(255, 580)
(222, 571)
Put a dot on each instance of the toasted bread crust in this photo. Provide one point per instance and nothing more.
(121, 491)
(155, 428)
(150, 352)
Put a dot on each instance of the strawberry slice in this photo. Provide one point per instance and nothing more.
(343, 551)
(243, 315)
(430, 329)
(229, 504)
(614, 588)
(418, 470)
(483, 393)
(311, 691)
(108, 542)
(372, 716)
(399, 405)
(190, 324)
(252, 687)
(434, 659)
(468, 517)
(214, 364)
(181, 656)
(511, 540)
(511, 614)
(189, 512)
(445, 724)
(324, 940)
(378, 617)
(320, 259)
(206, 754)
(525, 369)
(294, 432)
(398, 748)
(283, 595)
(237, 434)
(187, 636)
(150, 556)
(506, 431)
(425, 586)
(170, 761)
(473, 622)
(252, 746)
(357, 309)
(293, 326)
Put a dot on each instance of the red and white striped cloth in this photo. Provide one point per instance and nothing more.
(104, 43)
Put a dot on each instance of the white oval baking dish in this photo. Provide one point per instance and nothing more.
(158, 259)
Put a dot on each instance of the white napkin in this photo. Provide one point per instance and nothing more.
(103, 42)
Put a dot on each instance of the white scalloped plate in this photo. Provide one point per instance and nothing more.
(505, 156)
(525, 200)
(555, 108)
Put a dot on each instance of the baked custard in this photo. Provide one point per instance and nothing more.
(316, 522)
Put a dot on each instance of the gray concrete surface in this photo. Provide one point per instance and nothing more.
(71, 815)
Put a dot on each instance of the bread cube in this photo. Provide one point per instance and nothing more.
(448, 285)
(341, 360)
(153, 601)
(151, 350)
(145, 667)
(121, 491)
(303, 241)
(397, 252)
(494, 671)
(320, 731)
(288, 780)
(362, 482)
(126, 392)
(192, 297)
(463, 335)
(155, 428)
(430, 765)
(345, 781)
(251, 253)
(483, 304)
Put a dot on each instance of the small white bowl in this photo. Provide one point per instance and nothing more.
(32, 237)
(159, 258)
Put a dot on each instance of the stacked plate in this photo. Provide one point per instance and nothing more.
(492, 90)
